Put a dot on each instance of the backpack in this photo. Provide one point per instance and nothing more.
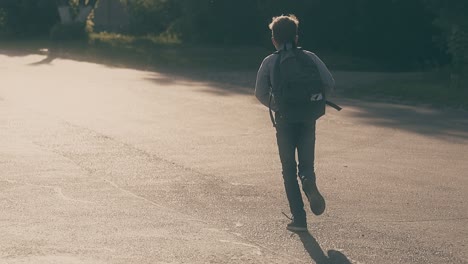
(298, 89)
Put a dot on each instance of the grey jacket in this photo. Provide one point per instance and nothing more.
(265, 78)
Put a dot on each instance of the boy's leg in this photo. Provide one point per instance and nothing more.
(286, 135)
(306, 155)
(306, 150)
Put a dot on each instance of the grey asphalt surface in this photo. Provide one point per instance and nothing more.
(112, 165)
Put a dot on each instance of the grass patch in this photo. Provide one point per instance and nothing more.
(24, 47)
(118, 39)
(167, 51)
(426, 88)
(343, 62)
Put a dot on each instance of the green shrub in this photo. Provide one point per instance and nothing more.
(26, 18)
(2, 21)
(452, 20)
(150, 16)
(69, 32)
(430, 88)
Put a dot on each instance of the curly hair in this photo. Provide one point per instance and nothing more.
(284, 28)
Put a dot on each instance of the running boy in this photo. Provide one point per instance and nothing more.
(294, 130)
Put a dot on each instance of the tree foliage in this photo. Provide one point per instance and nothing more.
(401, 31)
(151, 16)
(452, 19)
(26, 18)
(34, 18)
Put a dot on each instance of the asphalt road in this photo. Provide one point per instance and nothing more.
(112, 165)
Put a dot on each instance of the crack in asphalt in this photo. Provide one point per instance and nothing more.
(58, 190)
(152, 157)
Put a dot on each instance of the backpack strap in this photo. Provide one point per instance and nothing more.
(276, 74)
(271, 112)
(329, 103)
(337, 107)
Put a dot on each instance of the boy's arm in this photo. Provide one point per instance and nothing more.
(263, 85)
(325, 74)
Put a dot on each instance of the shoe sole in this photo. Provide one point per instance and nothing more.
(316, 200)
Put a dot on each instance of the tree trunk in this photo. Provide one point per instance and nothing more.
(65, 14)
(83, 14)
(84, 10)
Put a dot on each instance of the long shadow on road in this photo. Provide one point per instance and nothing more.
(446, 124)
(316, 253)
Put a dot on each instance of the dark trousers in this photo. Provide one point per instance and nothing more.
(292, 137)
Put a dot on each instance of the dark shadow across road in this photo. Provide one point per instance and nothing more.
(442, 123)
(447, 124)
(316, 253)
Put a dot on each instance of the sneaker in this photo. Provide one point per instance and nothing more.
(297, 226)
(317, 203)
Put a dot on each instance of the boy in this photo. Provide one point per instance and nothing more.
(294, 132)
